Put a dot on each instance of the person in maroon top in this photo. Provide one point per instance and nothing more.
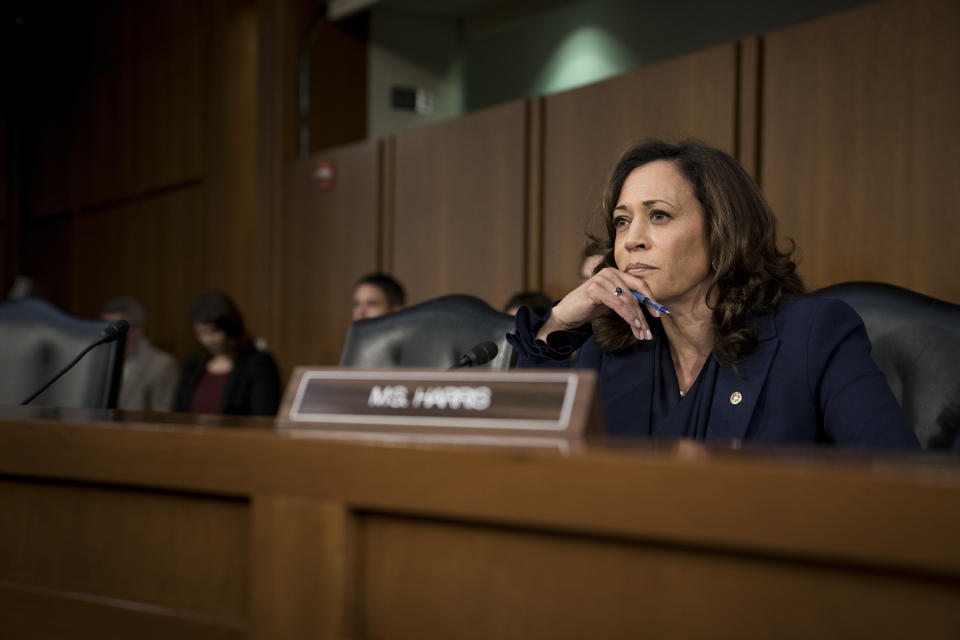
(229, 375)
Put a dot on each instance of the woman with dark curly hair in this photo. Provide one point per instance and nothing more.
(697, 324)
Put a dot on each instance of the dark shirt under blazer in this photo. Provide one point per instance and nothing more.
(810, 379)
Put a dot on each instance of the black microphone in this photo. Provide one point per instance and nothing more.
(111, 332)
(480, 354)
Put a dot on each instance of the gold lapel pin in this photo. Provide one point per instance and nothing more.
(736, 397)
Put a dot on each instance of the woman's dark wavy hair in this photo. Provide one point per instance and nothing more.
(750, 274)
(216, 308)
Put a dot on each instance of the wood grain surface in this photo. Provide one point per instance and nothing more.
(859, 144)
(234, 525)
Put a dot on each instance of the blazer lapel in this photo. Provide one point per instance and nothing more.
(737, 393)
(629, 390)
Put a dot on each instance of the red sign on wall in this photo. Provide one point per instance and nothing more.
(324, 175)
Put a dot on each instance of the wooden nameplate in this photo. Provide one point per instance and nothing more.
(504, 404)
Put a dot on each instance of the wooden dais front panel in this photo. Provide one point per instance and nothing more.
(122, 524)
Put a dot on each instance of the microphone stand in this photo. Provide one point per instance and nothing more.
(114, 331)
(62, 371)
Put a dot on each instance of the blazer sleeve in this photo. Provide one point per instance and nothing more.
(555, 352)
(853, 396)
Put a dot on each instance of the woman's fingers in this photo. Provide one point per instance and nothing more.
(615, 293)
(608, 288)
(641, 287)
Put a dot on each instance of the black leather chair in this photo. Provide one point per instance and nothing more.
(435, 334)
(916, 343)
(37, 340)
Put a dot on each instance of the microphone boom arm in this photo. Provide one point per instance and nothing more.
(62, 371)
(114, 331)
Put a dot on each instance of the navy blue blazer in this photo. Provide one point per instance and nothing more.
(810, 379)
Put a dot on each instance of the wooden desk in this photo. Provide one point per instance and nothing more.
(128, 525)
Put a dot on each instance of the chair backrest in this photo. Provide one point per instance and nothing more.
(37, 340)
(916, 343)
(432, 334)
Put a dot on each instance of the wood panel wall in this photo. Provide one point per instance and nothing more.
(139, 167)
(586, 130)
(859, 147)
(330, 239)
(154, 248)
(458, 214)
(160, 162)
(119, 120)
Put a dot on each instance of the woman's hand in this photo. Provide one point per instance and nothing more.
(587, 302)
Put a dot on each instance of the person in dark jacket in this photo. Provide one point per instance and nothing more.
(697, 323)
(229, 375)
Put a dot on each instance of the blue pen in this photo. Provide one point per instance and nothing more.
(650, 303)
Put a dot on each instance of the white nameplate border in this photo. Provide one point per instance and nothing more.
(555, 403)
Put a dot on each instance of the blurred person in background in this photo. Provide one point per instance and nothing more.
(592, 257)
(537, 301)
(149, 374)
(228, 375)
(375, 295)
